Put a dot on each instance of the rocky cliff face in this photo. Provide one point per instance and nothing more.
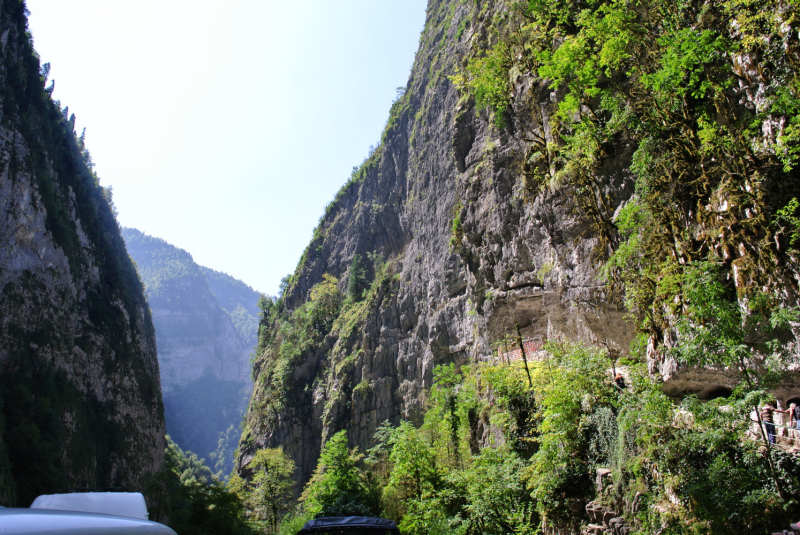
(195, 335)
(461, 252)
(204, 358)
(239, 301)
(80, 397)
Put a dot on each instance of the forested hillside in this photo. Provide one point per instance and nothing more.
(80, 402)
(206, 329)
(613, 179)
(237, 299)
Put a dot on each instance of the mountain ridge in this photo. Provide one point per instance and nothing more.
(204, 354)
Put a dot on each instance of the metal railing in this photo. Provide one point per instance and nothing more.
(796, 439)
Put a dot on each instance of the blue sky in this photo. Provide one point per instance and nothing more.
(226, 127)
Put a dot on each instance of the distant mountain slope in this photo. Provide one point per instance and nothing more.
(203, 348)
(80, 403)
(239, 300)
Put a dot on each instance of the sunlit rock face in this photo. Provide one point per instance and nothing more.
(471, 253)
(204, 356)
(79, 379)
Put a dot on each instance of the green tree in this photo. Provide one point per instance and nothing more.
(223, 456)
(265, 304)
(414, 475)
(444, 415)
(716, 330)
(326, 303)
(569, 387)
(267, 493)
(356, 278)
(428, 517)
(272, 485)
(186, 495)
(338, 486)
(497, 500)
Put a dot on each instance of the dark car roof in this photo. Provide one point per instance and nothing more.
(333, 523)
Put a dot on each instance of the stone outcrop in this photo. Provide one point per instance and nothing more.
(471, 252)
(80, 402)
(604, 519)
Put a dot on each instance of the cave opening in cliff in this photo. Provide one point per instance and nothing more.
(715, 392)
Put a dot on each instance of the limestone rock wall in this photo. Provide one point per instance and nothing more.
(194, 334)
(202, 341)
(80, 403)
(204, 359)
(471, 252)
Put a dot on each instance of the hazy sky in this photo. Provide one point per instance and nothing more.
(226, 127)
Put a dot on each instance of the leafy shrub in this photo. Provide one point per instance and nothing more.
(191, 500)
(356, 278)
(339, 487)
(268, 492)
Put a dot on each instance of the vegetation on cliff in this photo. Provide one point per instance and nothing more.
(495, 456)
(192, 500)
(66, 326)
(239, 300)
(327, 322)
(705, 97)
(699, 99)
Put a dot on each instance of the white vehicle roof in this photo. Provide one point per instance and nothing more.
(52, 522)
(109, 503)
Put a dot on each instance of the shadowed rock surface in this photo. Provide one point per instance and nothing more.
(80, 401)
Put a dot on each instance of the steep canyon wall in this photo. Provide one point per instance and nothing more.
(204, 356)
(80, 401)
(457, 249)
